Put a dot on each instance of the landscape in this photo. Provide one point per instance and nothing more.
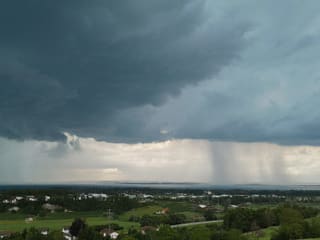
(159, 212)
(159, 120)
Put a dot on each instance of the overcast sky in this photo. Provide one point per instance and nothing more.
(199, 90)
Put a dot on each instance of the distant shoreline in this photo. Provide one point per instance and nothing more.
(161, 185)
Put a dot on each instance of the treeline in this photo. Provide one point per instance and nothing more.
(246, 219)
(117, 203)
(293, 226)
(156, 220)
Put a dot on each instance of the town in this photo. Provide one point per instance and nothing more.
(145, 213)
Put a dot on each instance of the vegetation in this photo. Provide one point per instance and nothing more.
(149, 214)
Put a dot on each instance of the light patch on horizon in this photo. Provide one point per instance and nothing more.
(185, 160)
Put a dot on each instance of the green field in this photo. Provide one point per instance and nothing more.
(267, 234)
(57, 224)
(139, 212)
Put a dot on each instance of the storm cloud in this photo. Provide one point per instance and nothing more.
(71, 65)
(146, 70)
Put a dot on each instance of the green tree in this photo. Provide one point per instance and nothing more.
(77, 226)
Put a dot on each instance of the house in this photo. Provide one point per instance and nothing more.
(47, 198)
(106, 232)
(44, 231)
(68, 236)
(163, 211)
(14, 209)
(5, 201)
(5, 234)
(146, 229)
(66, 230)
(51, 207)
(109, 232)
(31, 198)
(19, 198)
(114, 235)
(29, 219)
(202, 206)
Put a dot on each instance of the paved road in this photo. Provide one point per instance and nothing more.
(195, 223)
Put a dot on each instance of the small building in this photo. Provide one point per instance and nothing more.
(109, 232)
(162, 211)
(146, 229)
(114, 235)
(202, 206)
(29, 219)
(5, 234)
(68, 236)
(44, 231)
(14, 209)
(66, 230)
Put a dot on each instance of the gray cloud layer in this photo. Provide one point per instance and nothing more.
(70, 65)
(151, 70)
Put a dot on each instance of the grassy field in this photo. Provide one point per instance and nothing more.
(56, 215)
(57, 224)
(267, 234)
(139, 212)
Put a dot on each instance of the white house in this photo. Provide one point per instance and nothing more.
(114, 235)
(44, 231)
(29, 220)
(14, 209)
(68, 236)
(65, 230)
(5, 234)
(108, 232)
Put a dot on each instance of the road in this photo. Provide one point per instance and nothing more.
(195, 223)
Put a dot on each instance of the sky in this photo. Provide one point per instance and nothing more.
(221, 92)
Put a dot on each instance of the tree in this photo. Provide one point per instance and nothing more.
(209, 215)
(77, 226)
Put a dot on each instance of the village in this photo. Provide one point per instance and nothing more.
(113, 214)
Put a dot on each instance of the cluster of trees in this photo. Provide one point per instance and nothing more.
(156, 220)
(246, 219)
(201, 232)
(117, 203)
(293, 226)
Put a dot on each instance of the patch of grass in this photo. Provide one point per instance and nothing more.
(139, 212)
(175, 206)
(57, 224)
(193, 216)
(266, 233)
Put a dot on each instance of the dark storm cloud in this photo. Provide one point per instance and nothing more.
(71, 65)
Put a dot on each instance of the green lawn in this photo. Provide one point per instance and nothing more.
(193, 216)
(139, 212)
(56, 215)
(267, 234)
(57, 224)
(177, 206)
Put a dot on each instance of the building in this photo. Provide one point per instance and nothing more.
(5, 234)
(44, 231)
(146, 229)
(29, 219)
(109, 232)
